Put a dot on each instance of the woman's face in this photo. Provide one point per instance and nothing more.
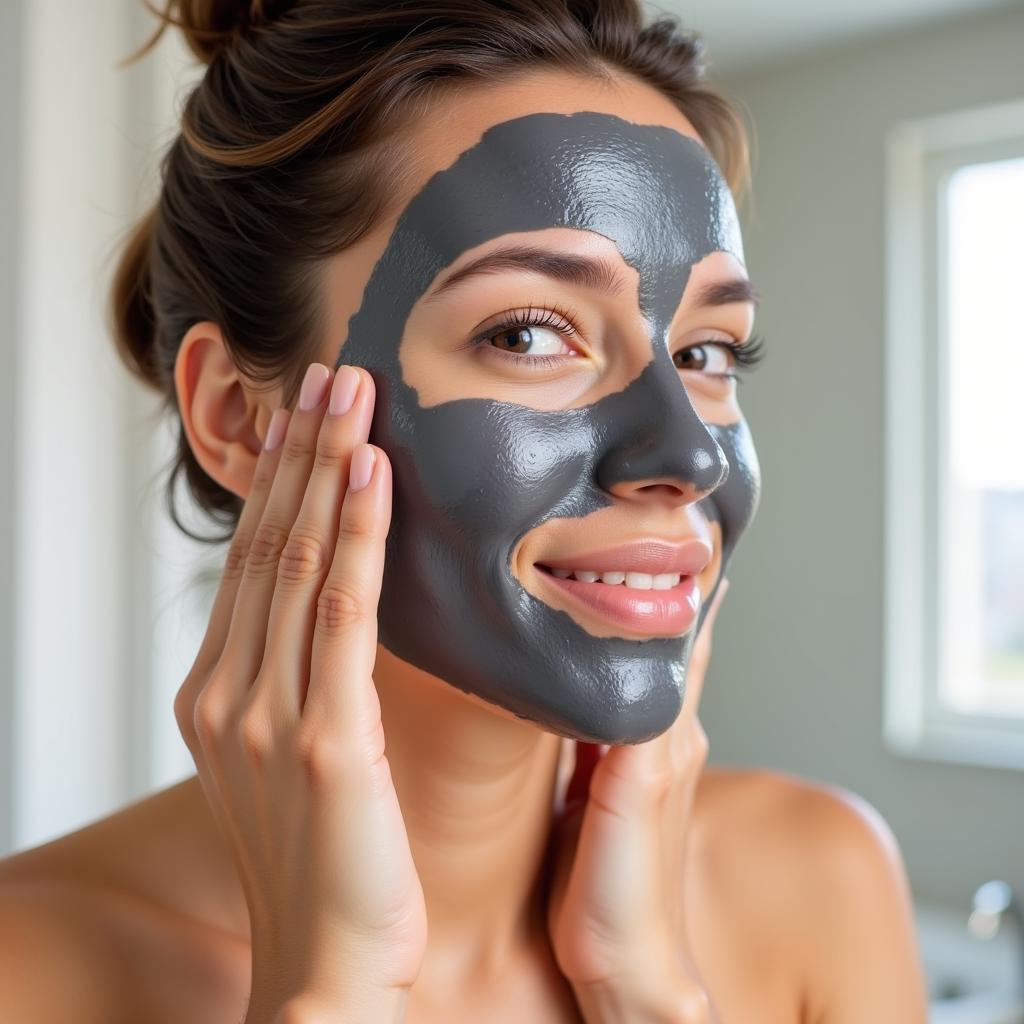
(547, 319)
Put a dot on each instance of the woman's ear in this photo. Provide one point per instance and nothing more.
(224, 420)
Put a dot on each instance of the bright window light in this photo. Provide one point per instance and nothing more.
(981, 541)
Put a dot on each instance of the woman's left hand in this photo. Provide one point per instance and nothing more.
(615, 909)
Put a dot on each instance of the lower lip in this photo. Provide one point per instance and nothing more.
(654, 612)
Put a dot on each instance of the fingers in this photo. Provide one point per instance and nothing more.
(310, 548)
(215, 638)
(234, 564)
(700, 656)
(687, 740)
(269, 537)
(341, 696)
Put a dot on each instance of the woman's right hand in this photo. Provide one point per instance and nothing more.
(283, 721)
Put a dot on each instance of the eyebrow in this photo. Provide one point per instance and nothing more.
(582, 271)
(721, 293)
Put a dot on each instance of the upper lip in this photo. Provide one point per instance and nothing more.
(688, 558)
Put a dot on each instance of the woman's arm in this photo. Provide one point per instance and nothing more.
(860, 949)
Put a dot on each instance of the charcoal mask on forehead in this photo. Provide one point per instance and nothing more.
(472, 476)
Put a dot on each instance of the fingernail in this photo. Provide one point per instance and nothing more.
(343, 391)
(363, 459)
(313, 386)
(275, 429)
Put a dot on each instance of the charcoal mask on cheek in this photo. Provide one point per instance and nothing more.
(472, 476)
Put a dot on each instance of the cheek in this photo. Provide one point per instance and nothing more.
(746, 456)
(741, 492)
(716, 402)
(484, 463)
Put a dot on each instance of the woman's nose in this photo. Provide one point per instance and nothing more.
(660, 448)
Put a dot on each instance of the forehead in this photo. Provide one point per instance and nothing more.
(472, 147)
(654, 192)
(640, 185)
(453, 118)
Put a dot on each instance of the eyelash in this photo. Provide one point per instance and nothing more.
(745, 353)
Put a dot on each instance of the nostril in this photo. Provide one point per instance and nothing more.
(670, 489)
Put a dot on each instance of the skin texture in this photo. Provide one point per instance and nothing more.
(796, 901)
(462, 511)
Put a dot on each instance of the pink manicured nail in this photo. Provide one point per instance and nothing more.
(343, 391)
(314, 385)
(361, 470)
(275, 429)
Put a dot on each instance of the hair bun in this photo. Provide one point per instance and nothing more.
(210, 26)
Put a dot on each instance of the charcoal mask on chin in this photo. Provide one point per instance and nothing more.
(472, 476)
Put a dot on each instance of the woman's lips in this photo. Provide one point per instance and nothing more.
(650, 555)
(654, 612)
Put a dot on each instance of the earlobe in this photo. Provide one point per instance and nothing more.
(224, 423)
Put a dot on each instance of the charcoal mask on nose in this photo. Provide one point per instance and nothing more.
(472, 476)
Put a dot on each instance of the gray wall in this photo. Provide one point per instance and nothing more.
(796, 678)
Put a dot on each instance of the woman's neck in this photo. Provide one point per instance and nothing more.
(477, 790)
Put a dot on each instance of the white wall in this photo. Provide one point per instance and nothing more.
(796, 678)
(10, 129)
(79, 599)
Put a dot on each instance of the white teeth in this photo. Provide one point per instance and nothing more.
(640, 580)
(634, 580)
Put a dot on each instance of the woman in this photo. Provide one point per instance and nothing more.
(498, 238)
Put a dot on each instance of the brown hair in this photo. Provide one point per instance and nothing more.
(282, 160)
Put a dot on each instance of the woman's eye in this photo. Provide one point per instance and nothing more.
(713, 357)
(532, 341)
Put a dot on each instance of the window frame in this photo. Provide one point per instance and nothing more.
(921, 156)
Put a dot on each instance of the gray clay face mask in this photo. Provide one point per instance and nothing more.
(473, 476)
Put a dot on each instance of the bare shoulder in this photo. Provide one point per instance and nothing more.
(816, 869)
(781, 806)
(112, 915)
(54, 963)
(154, 848)
(808, 838)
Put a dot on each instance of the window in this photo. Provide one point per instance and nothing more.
(955, 438)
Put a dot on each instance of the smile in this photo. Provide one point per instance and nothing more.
(662, 611)
(631, 580)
